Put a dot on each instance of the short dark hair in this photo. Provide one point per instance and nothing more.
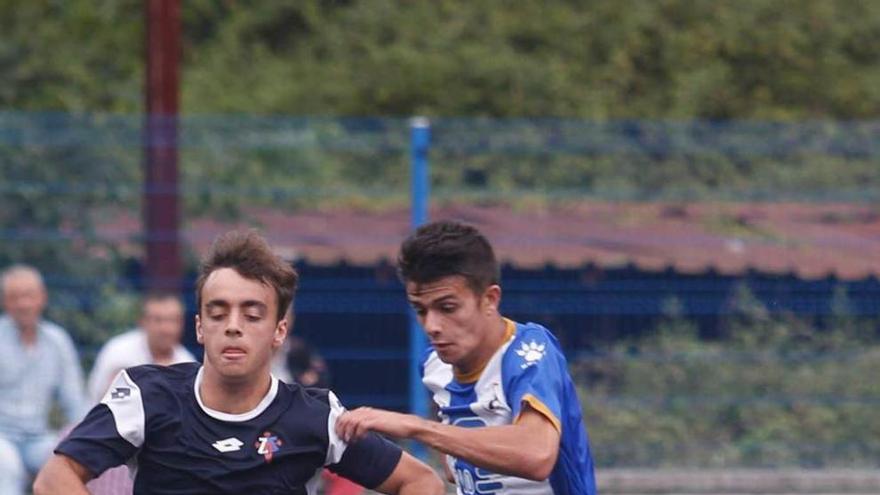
(445, 248)
(248, 253)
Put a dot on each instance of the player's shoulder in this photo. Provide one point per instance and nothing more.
(308, 410)
(310, 394)
(175, 375)
(307, 398)
(531, 344)
(528, 333)
(159, 388)
(149, 391)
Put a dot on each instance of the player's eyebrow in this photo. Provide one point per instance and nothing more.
(444, 299)
(216, 303)
(251, 303)
(223, 304)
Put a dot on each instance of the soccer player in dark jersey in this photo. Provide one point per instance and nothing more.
(228, 426)
(511, 419)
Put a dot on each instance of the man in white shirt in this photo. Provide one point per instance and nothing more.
(156, 341)
(39, 367)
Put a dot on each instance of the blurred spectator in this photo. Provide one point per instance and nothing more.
(38, 364)
(156, 341)
(297, 362)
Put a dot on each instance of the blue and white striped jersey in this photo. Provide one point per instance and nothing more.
(153, 419)
(529, 368)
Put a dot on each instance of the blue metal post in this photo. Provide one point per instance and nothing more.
(421, 138)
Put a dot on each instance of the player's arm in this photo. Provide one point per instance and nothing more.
(412, 477)
(375, 462)
(526, 449)
(63, 476)
(110, 435)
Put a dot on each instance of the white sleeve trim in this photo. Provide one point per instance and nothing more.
(127, 406)
(335, 445)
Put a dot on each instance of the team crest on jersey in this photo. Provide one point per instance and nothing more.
(531, 353)
(267, 445)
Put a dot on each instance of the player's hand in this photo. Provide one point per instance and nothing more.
(353, 425)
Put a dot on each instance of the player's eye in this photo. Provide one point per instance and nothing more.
(253, 316)
(420, 311)
(448, 308)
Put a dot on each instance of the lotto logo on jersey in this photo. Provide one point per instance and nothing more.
(120, 393)
(267, 445)
(230, 444)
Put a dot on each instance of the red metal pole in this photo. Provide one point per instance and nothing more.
(161, 216)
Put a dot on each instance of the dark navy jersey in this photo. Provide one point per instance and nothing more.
(153, 419)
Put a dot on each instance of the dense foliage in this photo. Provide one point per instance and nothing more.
(595, 59)
(774, 392)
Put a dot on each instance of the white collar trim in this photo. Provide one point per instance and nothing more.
(236, 418)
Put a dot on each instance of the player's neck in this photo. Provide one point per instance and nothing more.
(233, 396)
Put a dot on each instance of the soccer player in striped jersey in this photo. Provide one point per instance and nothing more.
(511, 420)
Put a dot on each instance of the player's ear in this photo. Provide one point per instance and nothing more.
(492, 298)
(199, 338)
(280, 333)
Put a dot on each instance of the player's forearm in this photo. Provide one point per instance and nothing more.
(412, 477)
(61, 476)
(527, 449)
(426, 485)
(501, 449)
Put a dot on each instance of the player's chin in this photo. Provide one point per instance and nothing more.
(233, 367)
(447, 355)
(234, 374)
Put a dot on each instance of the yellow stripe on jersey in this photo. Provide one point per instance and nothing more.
(536, 404)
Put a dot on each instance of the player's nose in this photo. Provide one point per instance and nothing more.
(233, 326)
(431, 323)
